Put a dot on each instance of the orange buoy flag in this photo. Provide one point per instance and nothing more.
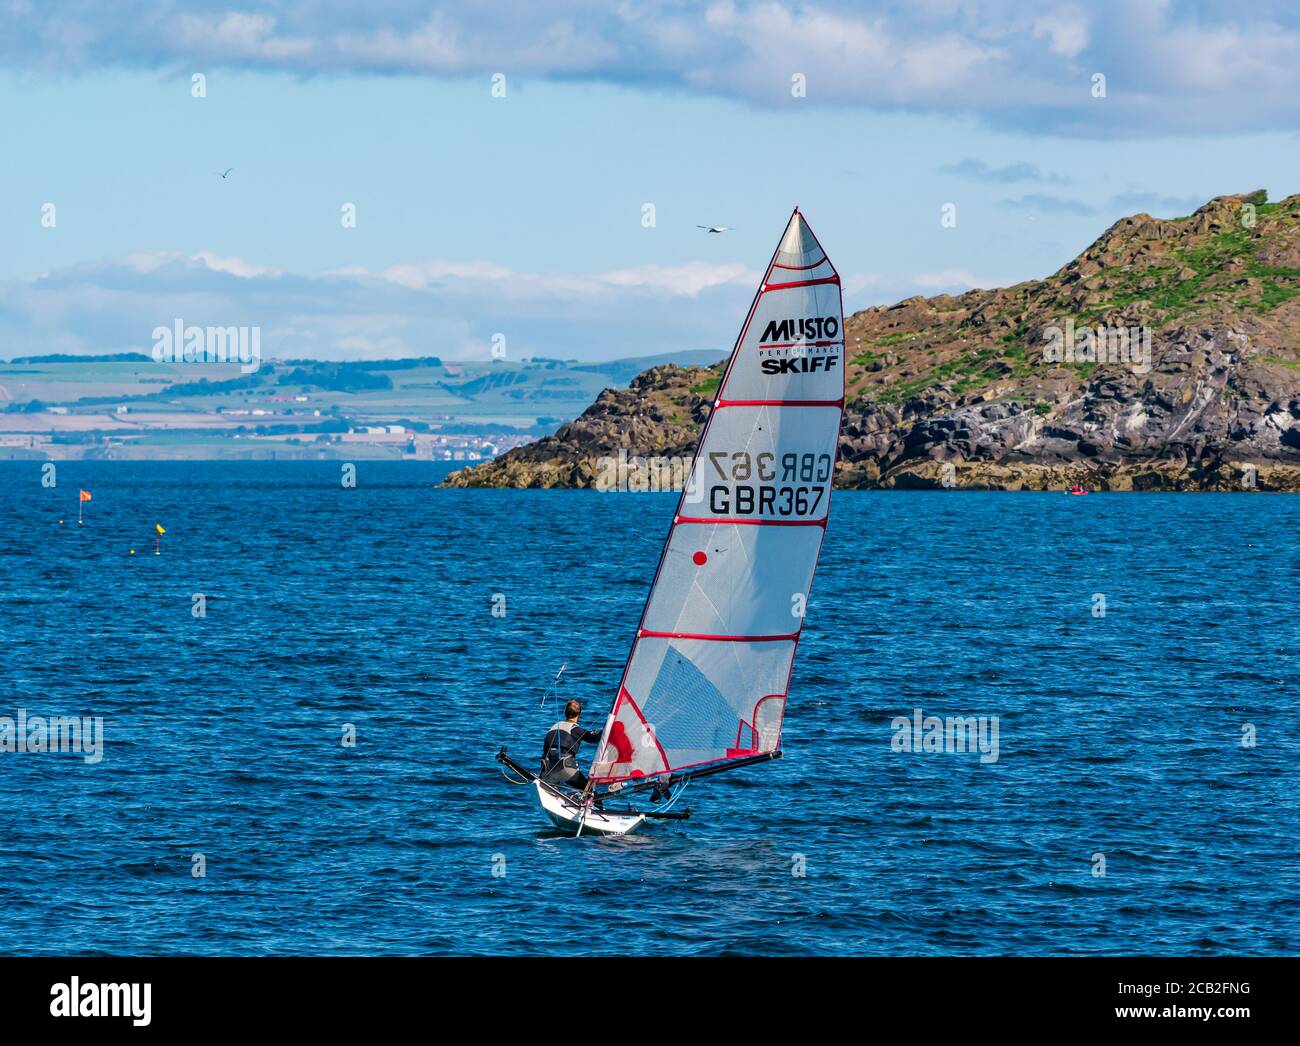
(85, 495)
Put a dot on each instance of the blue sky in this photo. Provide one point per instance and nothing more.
(523, 215)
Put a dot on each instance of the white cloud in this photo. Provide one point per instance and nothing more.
(1066, 30)
(432, 307)
(241, 36)
(233, 265)
(430, 47)
(1212, 66)
(844, 56)
(148, 261)
(417, 275)
(689, 279)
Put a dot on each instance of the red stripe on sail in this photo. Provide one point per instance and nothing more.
(839, 404)
(800, 283)
(814, 265)
(752, 522)
(706, 637)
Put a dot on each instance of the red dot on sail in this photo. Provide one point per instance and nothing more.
(700, 559)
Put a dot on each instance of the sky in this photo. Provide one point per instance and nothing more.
(537, 172)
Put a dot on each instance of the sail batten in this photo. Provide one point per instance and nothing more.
(708, 676)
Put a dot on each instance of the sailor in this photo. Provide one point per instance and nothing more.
(560, 750)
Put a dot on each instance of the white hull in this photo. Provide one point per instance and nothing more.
(568, 815)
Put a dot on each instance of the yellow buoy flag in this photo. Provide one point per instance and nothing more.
(159, 528)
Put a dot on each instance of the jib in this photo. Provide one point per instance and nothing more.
(807, 328)
(799, 365)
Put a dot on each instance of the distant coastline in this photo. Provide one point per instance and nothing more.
(128, 406)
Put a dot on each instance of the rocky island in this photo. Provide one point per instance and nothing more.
(1165, 357)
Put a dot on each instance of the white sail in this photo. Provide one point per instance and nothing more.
(710, 668)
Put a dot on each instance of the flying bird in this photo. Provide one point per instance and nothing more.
(224, 174)
(714, 228)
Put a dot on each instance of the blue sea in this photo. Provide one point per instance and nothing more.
(1120, 744)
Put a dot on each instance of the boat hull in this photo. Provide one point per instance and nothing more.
(568, 815)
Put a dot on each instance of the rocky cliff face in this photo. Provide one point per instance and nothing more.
(1165, 357)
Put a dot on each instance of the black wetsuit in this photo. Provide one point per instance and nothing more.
(560, 753)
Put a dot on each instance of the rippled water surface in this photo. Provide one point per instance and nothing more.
(1119, 735)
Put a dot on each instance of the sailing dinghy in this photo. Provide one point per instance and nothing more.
(705, 686)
